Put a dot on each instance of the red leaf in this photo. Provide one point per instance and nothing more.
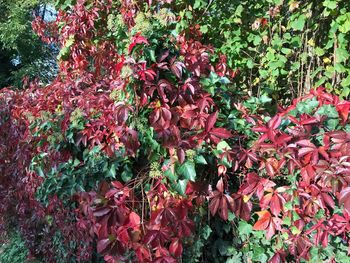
(102, 211)
(177, 68)
(343, 110)
(181, 155)
(223, 212)
(275, 205)
(264, 220)
(220, 185)
(242, 209)
(211, 121)
(175, 247)
(102, 245)
(143, 254)
(137, 39)
(134, 219)
(307, 173)
(275, 122)
(344, 198)
(221, 133)
(214, 206)
(304, 151)
(279, 257)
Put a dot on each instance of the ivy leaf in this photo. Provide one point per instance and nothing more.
(244, 228)
(341, 54)
(344, 27)
(259, 255)
(330, 4)
(112, 171)
(307, 106)
(204, 29)
(206, 231)
(40, 172)
(200, 159)
(188, 170)
(332, 124)
(198, 4)
(170, 175)
(299, 23)
(152, 55)
(221, 146)
(264, 99)
(331, 112)
(126, 174)
(180, 186)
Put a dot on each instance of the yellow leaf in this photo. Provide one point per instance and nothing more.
(311, 43)
(327, 60)
(293, 5)
(256, 81)
(246, 198)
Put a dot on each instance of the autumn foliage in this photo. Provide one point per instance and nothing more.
(135, 147)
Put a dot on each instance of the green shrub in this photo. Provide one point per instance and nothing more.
(14, 251)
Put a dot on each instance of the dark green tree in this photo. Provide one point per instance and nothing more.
(21, 51)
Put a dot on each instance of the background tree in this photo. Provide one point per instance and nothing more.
(22, 53)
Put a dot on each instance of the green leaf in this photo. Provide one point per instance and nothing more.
(200, 159)
(287, 221)
(286, 51)
(319, 51)
(152, 55)
(345, 92)
(299, 23)
(250, 64)
(224, 80)
(328, 110)
(180, 186)
(341, 54)
(288, 205)
(126, 174)
(345, 26)
(244, 228)
(204, 29)
(332, 124)
(330, 4)
(198, 4)
(237, 258)
(214, 78)
(259, 254)
(188, 170)
(341, 256)
(295, 230)
(222, 145)
(64, 52)
(206, 231)
(40, 172)
(264, 99)
(257, 40)
(307, 106)
(231, 216)
(170, 175)
(346, 81)
(112, 171)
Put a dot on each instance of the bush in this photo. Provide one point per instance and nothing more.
(282, 48)
(14, 250)
(143, 149)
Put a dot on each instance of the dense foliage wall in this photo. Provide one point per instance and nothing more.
(148, 146)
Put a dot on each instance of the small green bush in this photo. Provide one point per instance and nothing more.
(14, 251)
